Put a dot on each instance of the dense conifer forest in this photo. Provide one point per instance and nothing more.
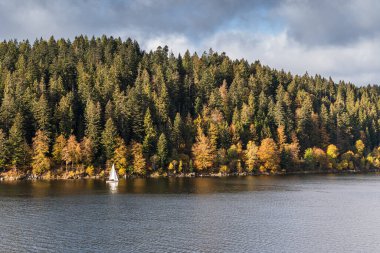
(79, 106)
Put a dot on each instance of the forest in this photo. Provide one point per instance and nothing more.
(79, 106)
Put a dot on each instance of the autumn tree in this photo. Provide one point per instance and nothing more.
(251, 156)
(87, 150)
(316, 158)
(72, 152)
(40, 159)
(120, 156)
(359, 145)
(332, 154)
(138, 159)
(203, 152)
(58, 147)
(269, 155)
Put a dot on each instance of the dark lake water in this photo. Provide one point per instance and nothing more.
(236, 214)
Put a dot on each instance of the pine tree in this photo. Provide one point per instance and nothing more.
(16, 143)
(162, 149)
(177, 133)
(65, 115)
(3, 150)
(305, 125)
(93, 127)
(109, 137)
(150, 134)
(42, 115)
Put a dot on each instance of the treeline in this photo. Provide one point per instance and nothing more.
(87, 103)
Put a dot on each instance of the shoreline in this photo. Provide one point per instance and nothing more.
(4, 176)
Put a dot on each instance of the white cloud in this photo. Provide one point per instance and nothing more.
(178, 43)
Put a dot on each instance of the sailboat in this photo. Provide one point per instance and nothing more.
(113, 175)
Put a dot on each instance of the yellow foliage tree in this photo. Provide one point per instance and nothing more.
(269, 155)
(346, 161)
(40, 161)
(120, 156)
(138, 158)
(251, 157)
(332, 153)
(360, 146)
(72, 152)
(59, 145)
(87, 147)
(281, 137)
(203, 152)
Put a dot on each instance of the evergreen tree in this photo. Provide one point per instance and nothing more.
(109, 137)
(150, 134)
(93, 123)
(42, 114)
(177, 133)
(65, 115)
(16, 144)
(3, 150)
(162, 149)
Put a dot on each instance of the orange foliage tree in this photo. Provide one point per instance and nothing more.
(203, 152)
(269, 155)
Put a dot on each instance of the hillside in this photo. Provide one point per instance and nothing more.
(90, 102)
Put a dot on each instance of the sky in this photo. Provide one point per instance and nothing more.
(337, 38)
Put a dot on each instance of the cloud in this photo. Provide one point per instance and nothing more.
(357, 62)
(332, 38)
(325, 22)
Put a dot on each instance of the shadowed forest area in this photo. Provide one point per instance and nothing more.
(79, 106)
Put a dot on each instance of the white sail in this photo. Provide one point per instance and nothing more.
(113, 174)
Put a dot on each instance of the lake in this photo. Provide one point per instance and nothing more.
(315, 213)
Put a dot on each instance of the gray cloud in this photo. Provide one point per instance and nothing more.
(326, 22)
(68, 18)
(333, 38)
